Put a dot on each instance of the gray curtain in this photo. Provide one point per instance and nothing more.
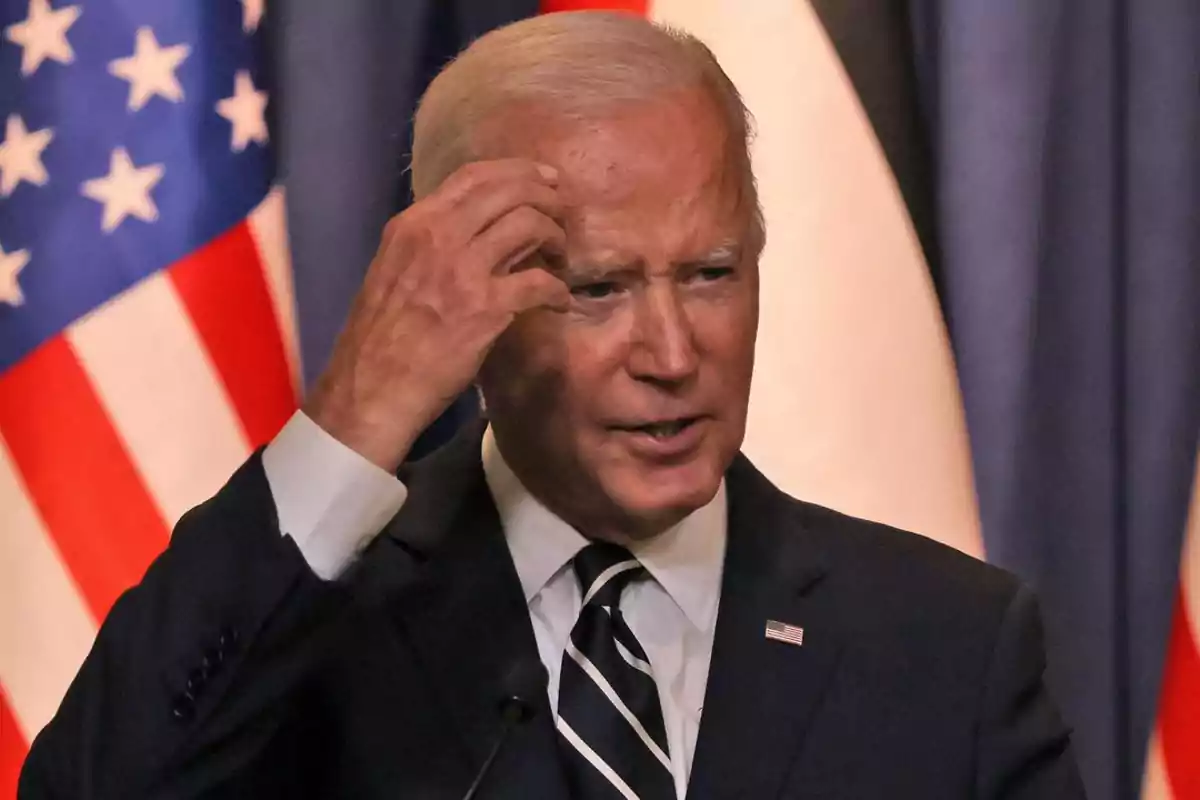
(1066, 142)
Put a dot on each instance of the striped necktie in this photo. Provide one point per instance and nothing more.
(610, 722)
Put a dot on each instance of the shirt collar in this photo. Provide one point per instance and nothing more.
(686, 560)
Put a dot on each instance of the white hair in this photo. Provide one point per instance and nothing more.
(581, 65)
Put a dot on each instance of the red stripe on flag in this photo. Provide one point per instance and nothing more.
(1179, 711)
(78, 475)
(632, 6)
(223, 287)
(12, 750)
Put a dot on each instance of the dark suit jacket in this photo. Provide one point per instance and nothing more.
(233, 671)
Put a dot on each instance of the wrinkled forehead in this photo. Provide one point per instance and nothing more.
(667, 160)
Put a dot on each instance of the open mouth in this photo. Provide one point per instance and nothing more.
(664, 430)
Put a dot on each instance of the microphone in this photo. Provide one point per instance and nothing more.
(522, 688)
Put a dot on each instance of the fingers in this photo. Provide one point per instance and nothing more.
(443, 226)
(480, 193)
(532, 288)
(482, 222)
(514, 237)
(467, 178)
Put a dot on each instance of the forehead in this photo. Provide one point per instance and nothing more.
(654, 175)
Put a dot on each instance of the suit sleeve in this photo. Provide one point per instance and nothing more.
(184, 684)
(1024, 748)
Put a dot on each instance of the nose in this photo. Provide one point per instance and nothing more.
(664, 347)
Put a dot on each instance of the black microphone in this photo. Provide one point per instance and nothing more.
(522, 689)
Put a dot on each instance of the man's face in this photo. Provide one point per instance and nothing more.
(623, 412)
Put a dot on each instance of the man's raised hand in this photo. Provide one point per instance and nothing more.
(439, 292)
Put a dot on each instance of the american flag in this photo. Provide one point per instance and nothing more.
(783, 632)
(146, 323)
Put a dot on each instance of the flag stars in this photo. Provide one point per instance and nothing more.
(151, 69)
(21, 155)
(43, 34)
(245, 110)
(125, 191)
(11, 265)
(252, 11)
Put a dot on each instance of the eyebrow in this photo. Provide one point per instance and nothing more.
(725, 253)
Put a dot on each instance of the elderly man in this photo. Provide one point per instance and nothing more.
(592, 594)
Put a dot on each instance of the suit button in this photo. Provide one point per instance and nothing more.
(215, 656)
(195, 682)
(228, 640)
(210, 662)
(184, 708)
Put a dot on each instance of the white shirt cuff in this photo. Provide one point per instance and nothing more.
(328, 498)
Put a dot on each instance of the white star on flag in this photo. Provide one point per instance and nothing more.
(151, 69)
(252, 11)
(11, 265)
(125, 190)
(21, 155)
(43, 34)
(245, 110)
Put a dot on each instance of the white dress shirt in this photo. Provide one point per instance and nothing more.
(332, 502)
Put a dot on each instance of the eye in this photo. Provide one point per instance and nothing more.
(711, 274)
(597, 290)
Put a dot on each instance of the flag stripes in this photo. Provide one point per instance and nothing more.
(783, 632)
(95, 506)
(1155, 784)
(12, 751)
(1172, 770)
(46, 626)
(155, 344)
(114, 428)
(1179, 720)
(228, 300)
(268, 227)
(147, 363)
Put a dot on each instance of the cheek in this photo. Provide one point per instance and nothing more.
(553, 367)
(520, 376)
(725, 330)
(593, 360)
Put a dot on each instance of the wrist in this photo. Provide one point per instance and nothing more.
(382, 437)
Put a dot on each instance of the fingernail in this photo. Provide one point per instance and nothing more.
(548, 172)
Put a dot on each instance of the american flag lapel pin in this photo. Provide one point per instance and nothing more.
(783, 632)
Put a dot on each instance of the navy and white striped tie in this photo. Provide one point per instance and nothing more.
(610, 721)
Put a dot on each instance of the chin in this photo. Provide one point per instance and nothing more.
(660, 496)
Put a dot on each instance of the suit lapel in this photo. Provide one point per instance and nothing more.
(467, 618)
(762, 693)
